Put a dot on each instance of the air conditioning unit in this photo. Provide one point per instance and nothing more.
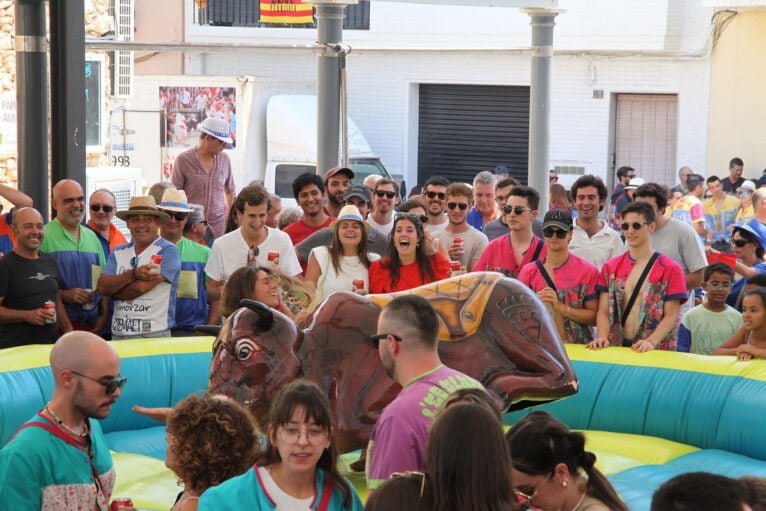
(123, 182)
(123, 60)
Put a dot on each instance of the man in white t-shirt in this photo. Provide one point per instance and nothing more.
(252, 242)
(435, 198)
(384, 200)
(464, 242)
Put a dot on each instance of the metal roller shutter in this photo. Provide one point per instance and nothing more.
(464, 129)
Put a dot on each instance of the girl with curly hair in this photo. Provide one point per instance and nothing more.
(297, 471)
(210, 439)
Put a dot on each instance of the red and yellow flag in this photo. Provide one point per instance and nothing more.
(286, 11)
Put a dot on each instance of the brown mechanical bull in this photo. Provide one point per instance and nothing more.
(491, 328)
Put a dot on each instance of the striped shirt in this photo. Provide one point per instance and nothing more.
(205, 188)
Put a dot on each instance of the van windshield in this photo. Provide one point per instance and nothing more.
(364, 168)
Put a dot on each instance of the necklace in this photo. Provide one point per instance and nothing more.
(579, 502)
(64, 426)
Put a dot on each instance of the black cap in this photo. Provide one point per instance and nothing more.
(360, 191)
(560, 218)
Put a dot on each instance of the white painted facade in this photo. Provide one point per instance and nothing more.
(617, 46)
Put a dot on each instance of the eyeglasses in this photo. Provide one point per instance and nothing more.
(635, 225)
(174, 214)
(377, 337)
(99, 207)
(72, 200)
(433, 195)
(412, 216)
(719, 285)
(516, 210)
(462, 205)
(740, 242)
(111, 386)
(292, 434)
(381, 193)
(550, 232)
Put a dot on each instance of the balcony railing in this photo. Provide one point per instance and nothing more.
(247, 13)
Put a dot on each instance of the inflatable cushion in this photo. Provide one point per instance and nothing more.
(147, 442)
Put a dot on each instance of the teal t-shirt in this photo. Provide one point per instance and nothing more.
(191, 301)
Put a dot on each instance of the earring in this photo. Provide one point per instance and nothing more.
(563, 484)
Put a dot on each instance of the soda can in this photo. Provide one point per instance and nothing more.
(50, 304)
(156, 259)
(454, 265)
(458, 241)
(122, 504)
(358, 284)
(91, 304)
(273, 258)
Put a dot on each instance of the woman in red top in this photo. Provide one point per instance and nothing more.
(408, 264)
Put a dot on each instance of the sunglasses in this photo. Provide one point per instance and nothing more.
(174, 214)
(111, 386)
(381, 193)
(740, 242)
(744, 192)
(516, 210)
(635, 225)
(550, 232)
(462, 205)
(433, 195)
(377, 338)
(99, 207)
(412, 216)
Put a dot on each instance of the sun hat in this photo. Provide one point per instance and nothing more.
(175, 200)
(216, 128)
(634, 183)
(349, 212)
(142, 205)
(747, 185)
(756, 229)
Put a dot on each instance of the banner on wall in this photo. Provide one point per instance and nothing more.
(286, 11)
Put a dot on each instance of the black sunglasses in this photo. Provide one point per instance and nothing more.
(174, 214)
(462, 205)
(377, 337)
(433, 195)
(111, 386)
(550, 232)
(635, 225)
(740, 242)
(381, 193)
(516, 210)
(99, 207)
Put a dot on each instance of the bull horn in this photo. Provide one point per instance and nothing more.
(213, 330)
(265, 315)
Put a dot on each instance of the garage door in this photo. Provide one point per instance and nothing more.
(464, 129)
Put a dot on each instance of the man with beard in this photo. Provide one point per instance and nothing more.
(464, 243)
(336, 182)
(28, 281)
(385, 198)
(309, 192)
(435, 198)
(59, 459)
(80, 257)
(408, 342)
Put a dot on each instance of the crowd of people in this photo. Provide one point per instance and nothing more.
(647, 267)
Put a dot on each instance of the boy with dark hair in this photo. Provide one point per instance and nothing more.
(707, 325)
(735, 179)
(309, 193)
(720, 213)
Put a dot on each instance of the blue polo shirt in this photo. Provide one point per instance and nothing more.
(191, 301)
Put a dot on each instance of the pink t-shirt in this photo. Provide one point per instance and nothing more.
(575, 281)
(499, 256)
(666, 281)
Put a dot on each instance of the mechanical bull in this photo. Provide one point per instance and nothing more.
(491, 328)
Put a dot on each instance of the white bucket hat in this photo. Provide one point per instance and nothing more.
(217, 128)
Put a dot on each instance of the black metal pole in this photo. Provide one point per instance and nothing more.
(68, 102)
(32, 102)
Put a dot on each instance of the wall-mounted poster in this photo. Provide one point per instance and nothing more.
(184, 108)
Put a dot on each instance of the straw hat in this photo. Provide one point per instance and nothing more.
(175, 200)
(143, 205)
(349, 212)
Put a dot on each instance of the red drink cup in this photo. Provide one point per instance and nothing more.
(122, 504)
(157, 259)
(459, 241)
(358, 284)
(454, 265)
(274, 258)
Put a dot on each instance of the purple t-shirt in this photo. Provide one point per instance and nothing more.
(399, 437)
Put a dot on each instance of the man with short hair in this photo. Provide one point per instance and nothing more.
(54, 457)
(309, 193)
(191, 299)
(624, 175)
(144, 289)
(484, 210)
(683, 173)
(640, 313)
(675, 239)
(204, 173)
(508, 254)
(688, 209)
(720, 212)
(592, 238)
(408, 345)
(28, 281)
(464, 243)
(196, 224)
(80, 256)
(103, 206)
(435, 199)
(272, 219)
(336, 182)
(735, 179)
(158, 189)
(384, 200)
(701, 491)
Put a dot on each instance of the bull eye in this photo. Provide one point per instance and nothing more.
(244, 348)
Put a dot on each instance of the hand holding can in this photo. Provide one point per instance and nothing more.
(50, 307)
(156, 263)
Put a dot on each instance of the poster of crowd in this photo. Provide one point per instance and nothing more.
(184, 107)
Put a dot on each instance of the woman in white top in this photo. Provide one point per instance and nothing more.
(344, 265)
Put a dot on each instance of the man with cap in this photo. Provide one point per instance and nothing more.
(80, 257)
(336, 182)
(356, 195)
(191, 299)
(196, 225)
(204, 173)
(745, 213)
(565, 283)
(142, 276)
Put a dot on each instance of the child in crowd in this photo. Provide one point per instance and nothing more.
(750, 343)
(707, 325)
